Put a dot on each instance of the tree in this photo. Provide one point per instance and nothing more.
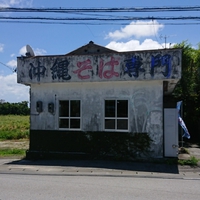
(21, 108)
(188, 89)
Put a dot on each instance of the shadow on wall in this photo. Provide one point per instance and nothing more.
(94, 145)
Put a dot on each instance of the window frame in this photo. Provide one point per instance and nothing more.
(70, 117)
(115, 117)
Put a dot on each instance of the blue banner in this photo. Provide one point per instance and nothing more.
(181, 122)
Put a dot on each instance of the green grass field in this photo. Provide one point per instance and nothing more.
(13, 127)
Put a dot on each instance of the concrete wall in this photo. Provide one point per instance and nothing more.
(135, 76)
(145, 105)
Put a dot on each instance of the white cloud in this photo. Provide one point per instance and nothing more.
(36, 51)
(20, 3)
(133, 45)
(12, 63)
(11, 91)
(1, 47)
(137, 29)
(12, 55)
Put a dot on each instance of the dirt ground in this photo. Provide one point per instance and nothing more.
(14, 144)
(194, 149)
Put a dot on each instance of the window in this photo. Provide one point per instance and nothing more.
(116, 115)
(69, 114)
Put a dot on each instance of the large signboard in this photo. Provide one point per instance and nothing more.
(143, 65)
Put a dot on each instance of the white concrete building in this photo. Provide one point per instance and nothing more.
(94, 96)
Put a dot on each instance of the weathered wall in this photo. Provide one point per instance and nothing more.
(138, 77)
(126, 66)
(145, 105)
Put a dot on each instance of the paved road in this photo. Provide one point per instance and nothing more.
(24, 187)
(53, 179)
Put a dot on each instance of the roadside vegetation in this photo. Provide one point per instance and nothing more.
(193, 161)
(12, 152)
(188, 89)
(14, 127)
(14, 131)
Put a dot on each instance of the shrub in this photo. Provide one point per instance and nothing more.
(118, 145)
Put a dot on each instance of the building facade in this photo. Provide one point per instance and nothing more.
(83, 102)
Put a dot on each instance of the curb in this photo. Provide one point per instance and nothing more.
(24, 167)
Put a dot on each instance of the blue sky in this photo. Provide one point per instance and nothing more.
(55, 39)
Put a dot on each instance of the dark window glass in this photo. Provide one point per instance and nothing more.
(64, 123)
(69, 114)
(64, 109)
(75, 108)
(122, 108)
(109, 124)
(110, 108)
(122, 124)
(114, 111)
(74, 123)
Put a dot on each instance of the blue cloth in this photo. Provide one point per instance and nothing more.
(181, 122)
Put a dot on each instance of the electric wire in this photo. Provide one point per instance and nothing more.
(12, 69)
(94, 23)
(93, 18)
(100, 19)
(124, 9)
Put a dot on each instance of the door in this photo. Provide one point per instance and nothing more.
(170, 132)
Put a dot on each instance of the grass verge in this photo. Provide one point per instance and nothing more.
(12, 152)
(192, 161)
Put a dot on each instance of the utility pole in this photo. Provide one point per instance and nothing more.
(165, 38)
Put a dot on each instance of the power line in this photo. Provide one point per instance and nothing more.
(100, 19)
(93, 18)
(125, 9)
(95, 23)
(12, 69)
